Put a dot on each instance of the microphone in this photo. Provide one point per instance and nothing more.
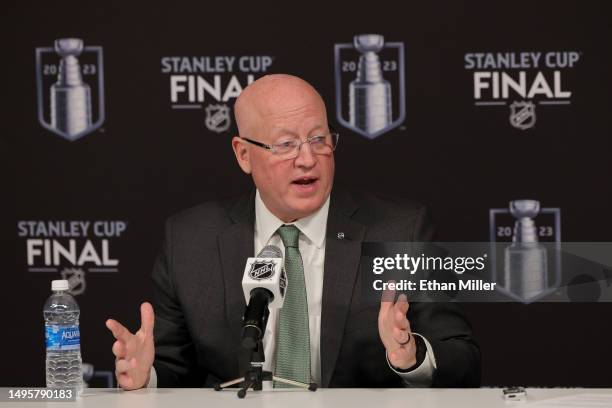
(264, 283)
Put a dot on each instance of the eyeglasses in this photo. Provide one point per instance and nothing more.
(290, 148)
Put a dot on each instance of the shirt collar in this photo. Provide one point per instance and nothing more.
(312, 226)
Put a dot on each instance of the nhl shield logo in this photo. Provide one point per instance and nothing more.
(70, 88)
(370, 85)
(217, 117)
(262, 270)
(522, 114)
(76, 280)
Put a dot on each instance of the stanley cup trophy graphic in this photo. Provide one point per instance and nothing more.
(369, 93)
(70, 96)
(525, 260)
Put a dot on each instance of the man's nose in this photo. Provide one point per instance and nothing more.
(305, 157)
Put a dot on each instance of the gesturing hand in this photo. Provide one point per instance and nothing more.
(134, 352)
(394, 331)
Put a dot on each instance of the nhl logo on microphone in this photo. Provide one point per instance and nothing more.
(261, 270)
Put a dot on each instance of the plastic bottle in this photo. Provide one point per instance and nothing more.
(62, 335)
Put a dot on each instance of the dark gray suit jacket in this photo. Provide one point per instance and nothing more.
(199, 303)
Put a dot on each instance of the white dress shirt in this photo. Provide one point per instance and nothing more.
(312, 249)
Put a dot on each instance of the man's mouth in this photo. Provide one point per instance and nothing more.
(304, 181)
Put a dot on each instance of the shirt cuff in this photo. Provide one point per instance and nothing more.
(422, 375)
(152, 379)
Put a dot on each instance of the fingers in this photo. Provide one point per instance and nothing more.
(122, 366)
(118, 330)
(387, 298)
(402, 303)
(401, 337)
(128, 349)
(399, 312)
(119, 349)
(401, 326)
(127, 373)
(147, 318)
(395, 333)
(125, 381)
(398, 322)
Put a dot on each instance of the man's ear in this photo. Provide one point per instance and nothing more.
(241, 151)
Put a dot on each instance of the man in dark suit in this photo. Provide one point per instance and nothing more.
(325, 332)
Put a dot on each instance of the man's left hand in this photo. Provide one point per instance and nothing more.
(394, 331)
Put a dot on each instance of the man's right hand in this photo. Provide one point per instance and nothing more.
(134, 353)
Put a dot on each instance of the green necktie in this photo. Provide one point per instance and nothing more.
(293, 341)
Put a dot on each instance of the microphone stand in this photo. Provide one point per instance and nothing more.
(254, 326)
(255, 375)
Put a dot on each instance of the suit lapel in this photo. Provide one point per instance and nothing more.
(236, 244)
(342, 252)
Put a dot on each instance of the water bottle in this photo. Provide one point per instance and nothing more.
(62, 336)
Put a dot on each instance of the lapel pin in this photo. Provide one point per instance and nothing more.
(341, 235)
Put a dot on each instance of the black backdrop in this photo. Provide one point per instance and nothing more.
(148, 160)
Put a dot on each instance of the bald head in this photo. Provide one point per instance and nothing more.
(273, 95)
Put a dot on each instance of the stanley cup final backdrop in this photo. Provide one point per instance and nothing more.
(118, 115)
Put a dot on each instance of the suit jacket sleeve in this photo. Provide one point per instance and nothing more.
(443, 324)
(175, 357)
